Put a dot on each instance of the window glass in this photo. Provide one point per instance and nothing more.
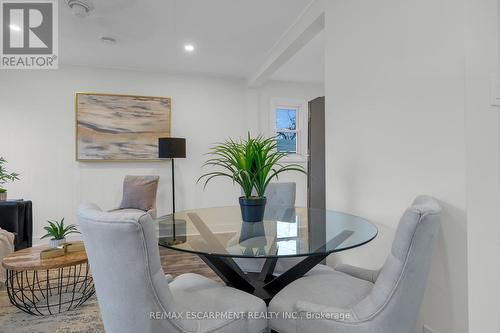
(286, 129)
(286, 119)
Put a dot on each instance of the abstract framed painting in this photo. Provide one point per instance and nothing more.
(111, 127)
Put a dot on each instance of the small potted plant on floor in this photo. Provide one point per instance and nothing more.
(252, 163)
(5, 177)
(58, 232)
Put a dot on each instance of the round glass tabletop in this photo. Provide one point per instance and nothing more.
(285, 232)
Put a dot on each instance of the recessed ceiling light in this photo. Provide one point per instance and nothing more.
(189, 48)
(14, 27)
(107, 40)
(80, 8)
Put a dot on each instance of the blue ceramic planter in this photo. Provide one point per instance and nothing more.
(252, 209)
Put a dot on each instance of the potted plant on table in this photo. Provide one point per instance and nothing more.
(252, 163)
(5, 177)
(58, 232)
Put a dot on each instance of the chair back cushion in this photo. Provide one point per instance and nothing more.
(124, 260)
(398, 291)
(280, 202)
(139, 192)
(281, 194)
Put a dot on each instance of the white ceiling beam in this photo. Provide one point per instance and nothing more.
(304, 29)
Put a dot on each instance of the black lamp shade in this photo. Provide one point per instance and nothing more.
(171, 148)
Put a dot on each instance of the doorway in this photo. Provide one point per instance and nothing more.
(316, 171)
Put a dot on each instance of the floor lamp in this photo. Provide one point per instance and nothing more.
(173, 148)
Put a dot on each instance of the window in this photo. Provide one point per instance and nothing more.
(288, 124)
(286, 129)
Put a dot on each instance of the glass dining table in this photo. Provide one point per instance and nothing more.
(220, 238)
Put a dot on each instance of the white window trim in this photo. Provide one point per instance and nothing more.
(302, 123)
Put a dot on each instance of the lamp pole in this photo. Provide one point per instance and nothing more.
(172, 148)
(173, 189)
(173, 199)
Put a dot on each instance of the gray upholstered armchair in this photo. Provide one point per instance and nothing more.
(280, 206)
(354, 300)
(135, 295)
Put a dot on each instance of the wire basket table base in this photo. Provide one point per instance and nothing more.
(47, 292)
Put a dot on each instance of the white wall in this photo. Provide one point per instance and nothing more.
(483, 166)
(286, 91)
(37, 137)
(395, 118)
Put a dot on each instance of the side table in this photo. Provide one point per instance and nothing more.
(47, 286)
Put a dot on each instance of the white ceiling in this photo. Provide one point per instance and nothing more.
(308, 65)
(232, 37)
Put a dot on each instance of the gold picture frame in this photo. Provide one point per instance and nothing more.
(120, 128)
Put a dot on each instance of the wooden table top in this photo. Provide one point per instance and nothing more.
(29, 259)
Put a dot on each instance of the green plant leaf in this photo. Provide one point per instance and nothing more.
(5, 176)
(252, 163)
(57, 229)
(61, 228)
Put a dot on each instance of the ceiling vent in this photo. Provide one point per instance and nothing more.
(80, 8)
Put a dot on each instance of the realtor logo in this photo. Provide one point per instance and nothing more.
(28, 34)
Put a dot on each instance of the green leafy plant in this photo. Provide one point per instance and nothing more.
(57, 230)
(252, 163)
(5, 176)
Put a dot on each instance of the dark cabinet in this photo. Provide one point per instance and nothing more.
(17, 216)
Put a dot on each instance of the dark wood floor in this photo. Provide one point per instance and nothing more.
(177, 263)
